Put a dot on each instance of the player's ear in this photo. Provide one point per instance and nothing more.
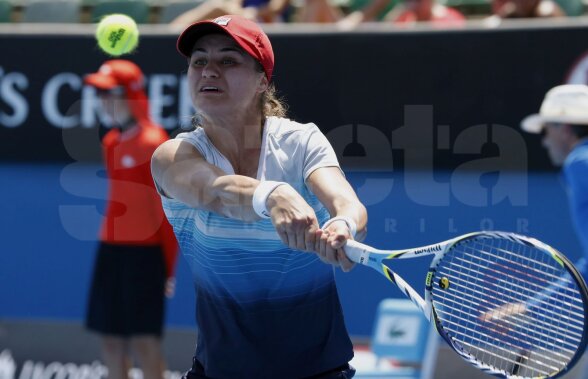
(263, 84)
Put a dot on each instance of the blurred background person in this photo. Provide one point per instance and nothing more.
(258, 10)
(137, 251)
(369, 11)
(563, 123)
(406, 13)
(503, 9)
(413, 11)
(263, 11)
(318, 11)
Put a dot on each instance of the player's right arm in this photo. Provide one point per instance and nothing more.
(182, 173)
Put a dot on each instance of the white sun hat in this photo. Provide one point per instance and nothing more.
(567, 104)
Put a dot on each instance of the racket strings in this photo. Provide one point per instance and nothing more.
(494, 328)
(511, 322)
(510, 275)
(536, 320)
(483, 290)
(508, 353)
(513, 358)
(528, 270)
(561, 283)
(480, 288)
(509, 305)
(489, 336)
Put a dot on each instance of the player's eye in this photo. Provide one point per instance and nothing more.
(199, 62)
(228, 61)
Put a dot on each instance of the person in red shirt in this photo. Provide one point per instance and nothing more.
(407, 13)
(136, 257)
(526, 9)
(413, 11)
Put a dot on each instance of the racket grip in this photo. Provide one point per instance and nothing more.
(357, 252)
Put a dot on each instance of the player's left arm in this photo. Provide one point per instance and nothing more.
(336, 194)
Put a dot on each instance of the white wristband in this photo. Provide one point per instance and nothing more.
(262, 192)
(348, 220)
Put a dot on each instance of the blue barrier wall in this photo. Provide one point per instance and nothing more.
(49, 218)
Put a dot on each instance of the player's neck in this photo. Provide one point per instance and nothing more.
(235, 134)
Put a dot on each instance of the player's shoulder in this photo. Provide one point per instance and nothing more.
(195, 141)
(175, 150)
(196, 134)
(284, 127)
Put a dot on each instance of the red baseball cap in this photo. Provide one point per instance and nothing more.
(115, 73)
(126, 74)
(248, 35)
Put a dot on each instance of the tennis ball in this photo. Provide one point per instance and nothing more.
(117, 34)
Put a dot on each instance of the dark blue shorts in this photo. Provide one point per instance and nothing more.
(341, 372)
(127, 294)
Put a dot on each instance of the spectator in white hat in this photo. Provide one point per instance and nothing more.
(563, 122)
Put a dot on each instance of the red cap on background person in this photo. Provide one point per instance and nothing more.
(246, 33)
(127, 75)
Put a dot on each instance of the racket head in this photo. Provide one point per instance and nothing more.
(510, 305)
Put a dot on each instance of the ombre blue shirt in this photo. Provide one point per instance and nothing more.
(263, 310)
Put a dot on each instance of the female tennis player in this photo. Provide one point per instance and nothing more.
(257, 201)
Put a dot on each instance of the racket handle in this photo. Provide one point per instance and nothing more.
(357, 252)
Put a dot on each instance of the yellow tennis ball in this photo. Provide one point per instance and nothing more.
(117, 34)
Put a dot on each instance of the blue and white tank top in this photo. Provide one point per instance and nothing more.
(263, 310)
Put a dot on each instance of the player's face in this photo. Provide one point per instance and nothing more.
(224, 78)
(556, 141)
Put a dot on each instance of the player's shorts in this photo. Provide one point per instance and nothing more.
(127, 291)
(345, 371)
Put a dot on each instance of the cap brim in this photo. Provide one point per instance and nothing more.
(189, 36)
(100, 81)
(533, 124)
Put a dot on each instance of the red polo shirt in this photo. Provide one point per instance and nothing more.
(134, 214)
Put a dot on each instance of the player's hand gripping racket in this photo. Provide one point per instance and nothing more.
(510, 305)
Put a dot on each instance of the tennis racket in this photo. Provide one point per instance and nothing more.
(510, 305)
